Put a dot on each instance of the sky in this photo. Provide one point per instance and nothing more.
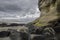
(18, 11)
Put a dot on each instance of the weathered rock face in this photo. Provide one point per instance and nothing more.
(50, 11)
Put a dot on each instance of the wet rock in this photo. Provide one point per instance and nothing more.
(20, 34)
(14, 35)
(4, 34)
(49, 34)
(24, 36)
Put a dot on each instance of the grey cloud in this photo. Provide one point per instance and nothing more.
(17, 7)
(10, 8)
(17, 21)
(19, 3)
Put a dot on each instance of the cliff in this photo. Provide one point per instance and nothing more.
(50, 13)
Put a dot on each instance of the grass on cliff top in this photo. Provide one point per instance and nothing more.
(38, 23)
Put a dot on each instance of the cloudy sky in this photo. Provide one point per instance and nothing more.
(20, 11)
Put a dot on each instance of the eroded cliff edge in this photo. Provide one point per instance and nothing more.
(50, 13)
